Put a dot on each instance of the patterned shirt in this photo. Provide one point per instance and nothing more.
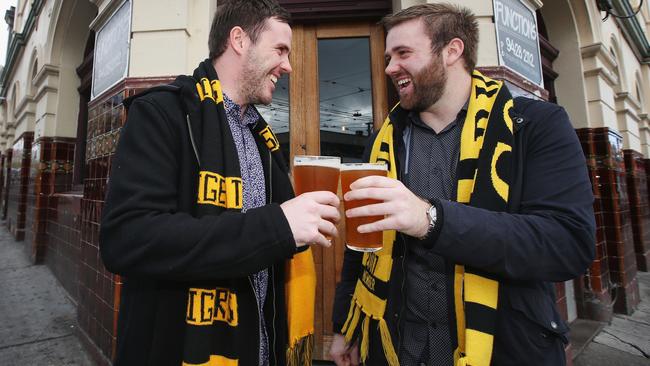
(428, 318)
(252, 174)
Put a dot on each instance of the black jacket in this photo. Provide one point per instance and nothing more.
(547, 235)
(151, 236)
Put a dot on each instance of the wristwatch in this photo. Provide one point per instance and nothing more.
(432, 216)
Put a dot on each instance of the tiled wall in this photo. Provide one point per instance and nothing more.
(593, 297)
(99, 290)
(64, 240)
(3, 169)
(647, 173)
(18, 185)
(637, 188)
(34, 212)
(96, 310)
(50, 172)
(7, 180)
(50, 224)
(610, 175)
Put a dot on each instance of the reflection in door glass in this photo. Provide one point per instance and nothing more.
(345, 97)
(276, 114)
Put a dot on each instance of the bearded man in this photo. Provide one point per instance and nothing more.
(200, 216)
(487, 203)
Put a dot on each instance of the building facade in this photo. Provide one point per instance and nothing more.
(71, 63)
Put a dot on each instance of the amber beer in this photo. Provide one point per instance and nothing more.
(368, 242)
(316, 173)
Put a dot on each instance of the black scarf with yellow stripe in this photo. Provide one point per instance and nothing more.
(484, 174)
(219, 314)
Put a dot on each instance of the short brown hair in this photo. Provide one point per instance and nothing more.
(444, 23)
(250, 15)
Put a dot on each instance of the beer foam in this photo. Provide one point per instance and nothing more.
(363, 166)
(323, 161)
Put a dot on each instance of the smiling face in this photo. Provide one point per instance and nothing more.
(265, 61)
(418, 74)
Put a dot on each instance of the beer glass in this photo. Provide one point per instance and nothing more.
(316, 173)
(367, 242)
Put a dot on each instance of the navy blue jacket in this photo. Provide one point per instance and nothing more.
(547, 235)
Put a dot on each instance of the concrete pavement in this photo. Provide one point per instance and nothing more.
(37, 318)
(38, 321)
(626, 340)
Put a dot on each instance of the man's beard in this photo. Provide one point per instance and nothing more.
(428, 86)
(253, 81)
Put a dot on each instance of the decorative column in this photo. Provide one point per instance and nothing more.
(6, 180)
(50, 173)
(593, 298)
(637, 187)
(18, 185)
(617, 219)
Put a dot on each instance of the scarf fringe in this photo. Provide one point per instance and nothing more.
(387, 343)
(300, 353)
(352, 322)
(356, 315)
(365, 338)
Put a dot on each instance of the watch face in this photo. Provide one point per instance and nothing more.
(432, 213)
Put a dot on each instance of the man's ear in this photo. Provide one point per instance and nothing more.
(238, 39)
(453, 51)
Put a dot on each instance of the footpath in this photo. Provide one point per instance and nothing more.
(625, 341)
(37, 317)
(38, 321)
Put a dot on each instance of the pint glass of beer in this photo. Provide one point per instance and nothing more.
(316, 173)
(368, 242)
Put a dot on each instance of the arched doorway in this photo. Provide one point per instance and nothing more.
(549, 53)
(558, 25)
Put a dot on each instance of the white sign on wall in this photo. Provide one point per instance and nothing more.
(517, 39)
(111, 55)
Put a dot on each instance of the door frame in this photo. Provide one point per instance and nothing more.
(304, 139)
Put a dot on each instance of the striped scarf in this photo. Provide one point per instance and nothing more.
(483, 178)
(216, 313)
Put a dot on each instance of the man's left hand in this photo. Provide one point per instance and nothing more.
(402, 209)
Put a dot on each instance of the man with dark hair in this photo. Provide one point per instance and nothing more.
(487, 203)
(200, 216)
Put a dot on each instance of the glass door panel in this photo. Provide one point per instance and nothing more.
(345, 97)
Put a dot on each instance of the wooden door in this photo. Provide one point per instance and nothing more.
(338, 97)
(329, 105)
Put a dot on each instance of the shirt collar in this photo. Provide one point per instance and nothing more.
(414, 117)
(233, 111)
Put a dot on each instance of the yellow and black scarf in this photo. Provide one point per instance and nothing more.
(483, 179)
(217, 313)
